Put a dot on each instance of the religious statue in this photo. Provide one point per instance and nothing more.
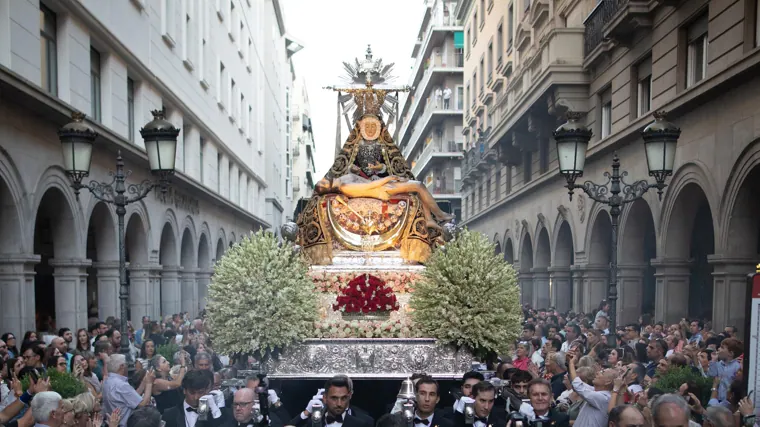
(369, 198)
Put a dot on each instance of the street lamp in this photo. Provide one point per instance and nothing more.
(660, 140)
(77, 139)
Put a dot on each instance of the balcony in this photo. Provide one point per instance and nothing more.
(614, 21)
(296, 150)
(431, 116)
(476, 161)
(432, 76)
(296, 183)
(437, 149)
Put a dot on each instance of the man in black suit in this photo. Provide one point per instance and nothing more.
(242, 411)
(483, 397)
(336, 400)
(540, 394)
(195, 384)
(469, 379)
(427, 396)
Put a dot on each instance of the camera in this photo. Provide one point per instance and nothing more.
(519, 419)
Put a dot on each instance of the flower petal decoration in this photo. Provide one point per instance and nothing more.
(366, 293)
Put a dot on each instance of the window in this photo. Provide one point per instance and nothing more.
(249, 124)
(490, 61)
(231, 189)
(189, 42)
(475, 26)
(466, 93)
(467, 43)
(94, 84)
(241, 111)
(499, 43)
(482, 74)
(543, 152)
(460, 98)
(202, 30)
(474, 85)
(527, 167)
(696, 55)
(219, 174)
(233, 18)
(510, 25)
(605, 100)
(48, 50)
(482, 13)
(168, 24)
(131, 109)
(644, 86)
(249, 60)
(221, 81)
(480, 197)
(508, 181)
(488, 193)
(202, 151)
(240, 39)
(233, 91)
(497, 194)
(527, 4)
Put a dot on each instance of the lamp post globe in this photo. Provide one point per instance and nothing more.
(660, 141)
(160, 138)
(77, 138)
(572, 140)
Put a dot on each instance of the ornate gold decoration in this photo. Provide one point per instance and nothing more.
(370, 127)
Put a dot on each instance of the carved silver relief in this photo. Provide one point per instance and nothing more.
(369, 358)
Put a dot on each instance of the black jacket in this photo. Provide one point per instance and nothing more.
(558, 419)
(493, 420)
(438, 420)
(274, 420)
(361, 414)
(348, 421)
(175, 417)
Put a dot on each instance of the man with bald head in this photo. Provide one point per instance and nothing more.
(597, 396)
(242, 410)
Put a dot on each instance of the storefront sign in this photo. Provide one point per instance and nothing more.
(179, 200)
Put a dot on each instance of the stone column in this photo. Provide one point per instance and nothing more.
(154, 280)
(576, 272)
(170, 290)
(70, 291)
(672, 294)
(561, 288)
(203, 278)
(17, 305)
(525, 280)
(108, 289)
(630, 293)
(596, 282)
(141, 298)
(189, 291)
(541, 291)
(730, 290)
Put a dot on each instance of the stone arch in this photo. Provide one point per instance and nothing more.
(221, 244)
(136, 240)
(685, 276)
(232, 239)
(168, 257)
(526, 265)
(509, 251)
(563, 292)
(598, 249)
(59, 286)
(102, 249)
(167, 252)
(497, 244)
(637, 246)
(12, 219)
(188, 260)
(55, 177)
(204, 247)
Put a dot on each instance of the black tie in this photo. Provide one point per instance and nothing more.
(191, 409)
(330, 419)
(421, 421)
(482, 420)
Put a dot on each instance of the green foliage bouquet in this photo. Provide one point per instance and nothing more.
(676, 376)
(468, 296)
(65, 384)
(261, 298)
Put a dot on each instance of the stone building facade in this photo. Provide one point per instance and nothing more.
(686, 255)
(218, 68)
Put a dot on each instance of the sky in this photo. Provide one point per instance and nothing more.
(333, 31)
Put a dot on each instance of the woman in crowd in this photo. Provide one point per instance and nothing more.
(147, 352)
(15, 366)
(29, 336)
(165, 388)
(10, 341)
(57, 363)
(50, 354)
(621, 356)
(523, 352)
(83, 341)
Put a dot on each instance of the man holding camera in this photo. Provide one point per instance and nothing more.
(481, 404)
(336, 399)
(540, 412)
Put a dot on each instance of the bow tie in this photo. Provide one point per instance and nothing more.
(482, 420)
(191, 409)
(249, 423)
(330, 419)
(421, 421)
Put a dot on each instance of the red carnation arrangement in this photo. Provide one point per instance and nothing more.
(366, 294)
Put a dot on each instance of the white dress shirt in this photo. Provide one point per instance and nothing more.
(429, 419)
(190, 417)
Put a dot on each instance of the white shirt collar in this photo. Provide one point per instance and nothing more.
(190, 417)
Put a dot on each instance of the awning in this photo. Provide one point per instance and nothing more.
(459, 39)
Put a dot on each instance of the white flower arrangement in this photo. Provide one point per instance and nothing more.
(468, 297)
(261, 298)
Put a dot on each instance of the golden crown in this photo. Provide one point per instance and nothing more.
(368, 101)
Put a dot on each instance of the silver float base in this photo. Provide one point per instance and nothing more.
(369, 358)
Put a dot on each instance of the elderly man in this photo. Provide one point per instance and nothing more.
(145, 417)
(597, 397)
(242, 411)
(203, 361)
(47, 410)
(670, 410)
(117, 393)
(540, 406)
(624, 416)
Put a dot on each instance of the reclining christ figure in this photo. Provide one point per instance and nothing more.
(352, 185)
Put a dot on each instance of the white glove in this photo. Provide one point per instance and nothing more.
(218, 398)
(215, 412)
(320, 393)
(312, 402)
(459, 404)
(273, 398)
(527, 410)
(398, 406)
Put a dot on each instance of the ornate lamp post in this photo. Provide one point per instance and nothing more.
(77, 139)
(660, 140)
